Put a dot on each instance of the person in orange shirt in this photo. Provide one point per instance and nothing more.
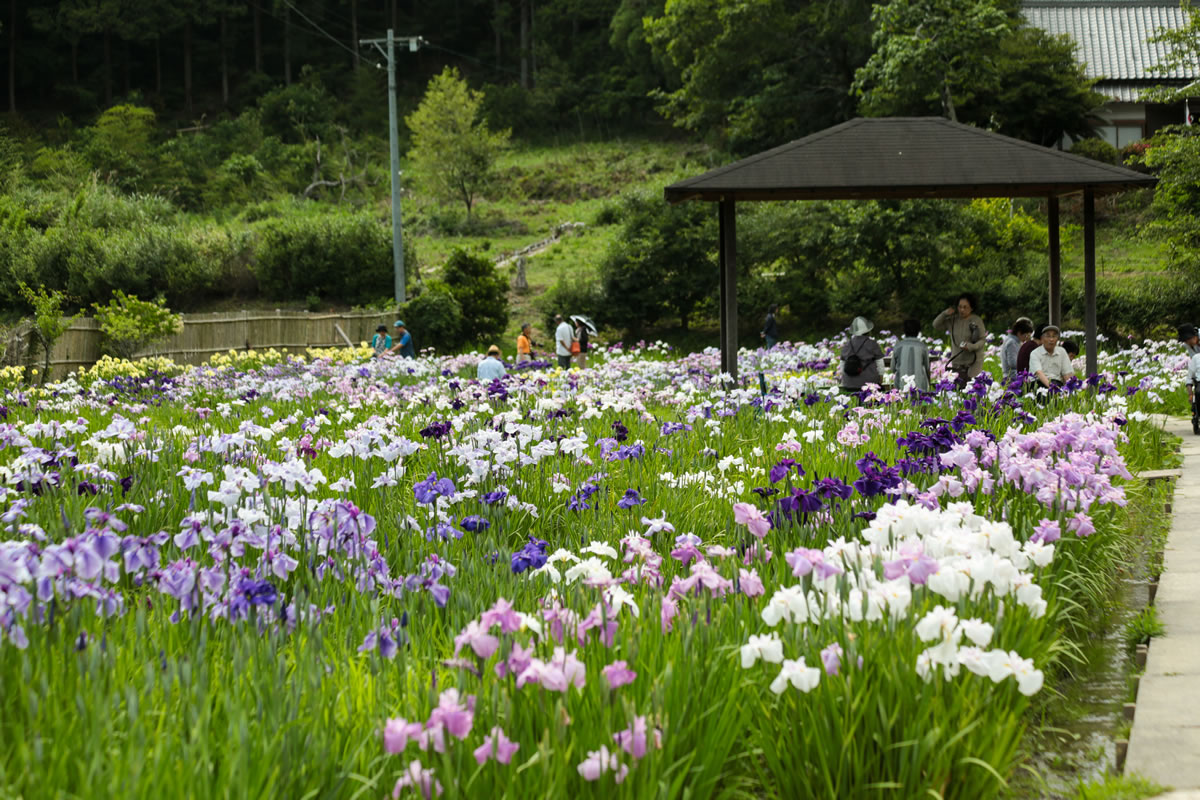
(525, 344)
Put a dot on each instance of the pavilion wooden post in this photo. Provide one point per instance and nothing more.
(728, 262)
(1055, 310)
(1089, 277)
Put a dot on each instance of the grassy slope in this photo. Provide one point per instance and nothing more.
(540, 188)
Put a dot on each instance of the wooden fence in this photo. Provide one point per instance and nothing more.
(206, 334)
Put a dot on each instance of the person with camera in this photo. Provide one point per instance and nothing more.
(861, 356)
(968, 338)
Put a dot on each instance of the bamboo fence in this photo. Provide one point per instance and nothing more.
(206, 334)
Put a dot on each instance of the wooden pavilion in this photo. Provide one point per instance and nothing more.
(907, 157)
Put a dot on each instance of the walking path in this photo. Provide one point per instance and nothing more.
(1164, 745)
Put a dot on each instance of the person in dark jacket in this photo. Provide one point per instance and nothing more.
(770, 330)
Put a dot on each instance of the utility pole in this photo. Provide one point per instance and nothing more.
(387, 48)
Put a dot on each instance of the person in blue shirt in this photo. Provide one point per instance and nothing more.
(404, 348)
(381, 342)
(490, 368)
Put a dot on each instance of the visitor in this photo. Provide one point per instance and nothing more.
(1035, 341)
(563, 338)
(380, 342)
(770, 329)
(580, 348)
(910, 359)
(1193, 374)
(861, 357)
(968, 338)
(1050, 364)
(490, 368)
(404, 348)
(1022, 329)
(1072, 349)
(1190, 336)
(525, 344)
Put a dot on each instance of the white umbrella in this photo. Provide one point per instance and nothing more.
(586, 322)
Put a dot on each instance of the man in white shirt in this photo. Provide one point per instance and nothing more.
(1049, 363)
(1191, 338)
(564, 334)
(490, 368)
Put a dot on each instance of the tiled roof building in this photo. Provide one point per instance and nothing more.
(1113, 44)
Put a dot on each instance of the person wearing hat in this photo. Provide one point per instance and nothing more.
(404, 348)
(490, 368)
(1050, 363)
(968, 337)
(1190, 338)
(380, 342)
(861, 356)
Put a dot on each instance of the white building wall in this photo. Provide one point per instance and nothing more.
(1124, 123)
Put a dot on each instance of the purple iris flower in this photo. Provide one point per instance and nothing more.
(258, 593)
(475, 523)
(437, 430)
(531, 556)
(631, 499)
(830, 488)
(780, 470)
(620, 432)
(497, 496)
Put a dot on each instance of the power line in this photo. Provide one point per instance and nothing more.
(325, 33)
(479, 61)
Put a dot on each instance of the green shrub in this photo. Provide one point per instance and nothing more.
(435, 318)
(567, 297)
(11, 163)
(337, 256)
(1142, 627)
(481, 292)
(128, 324)
(298, 112)
(1097, 150)
(59, 167)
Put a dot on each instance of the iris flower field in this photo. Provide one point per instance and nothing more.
(338, 577)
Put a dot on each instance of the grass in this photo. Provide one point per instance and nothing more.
(1119, 787)
(1122, 252)
(537, 188)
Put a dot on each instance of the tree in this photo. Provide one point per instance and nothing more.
(48, 321)
(929, 50)
(453, 149)
(663, 263)
(1039, 93)
(734, 69)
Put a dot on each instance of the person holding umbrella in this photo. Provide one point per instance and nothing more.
(584, 328)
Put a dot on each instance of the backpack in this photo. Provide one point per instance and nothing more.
(854, 365)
